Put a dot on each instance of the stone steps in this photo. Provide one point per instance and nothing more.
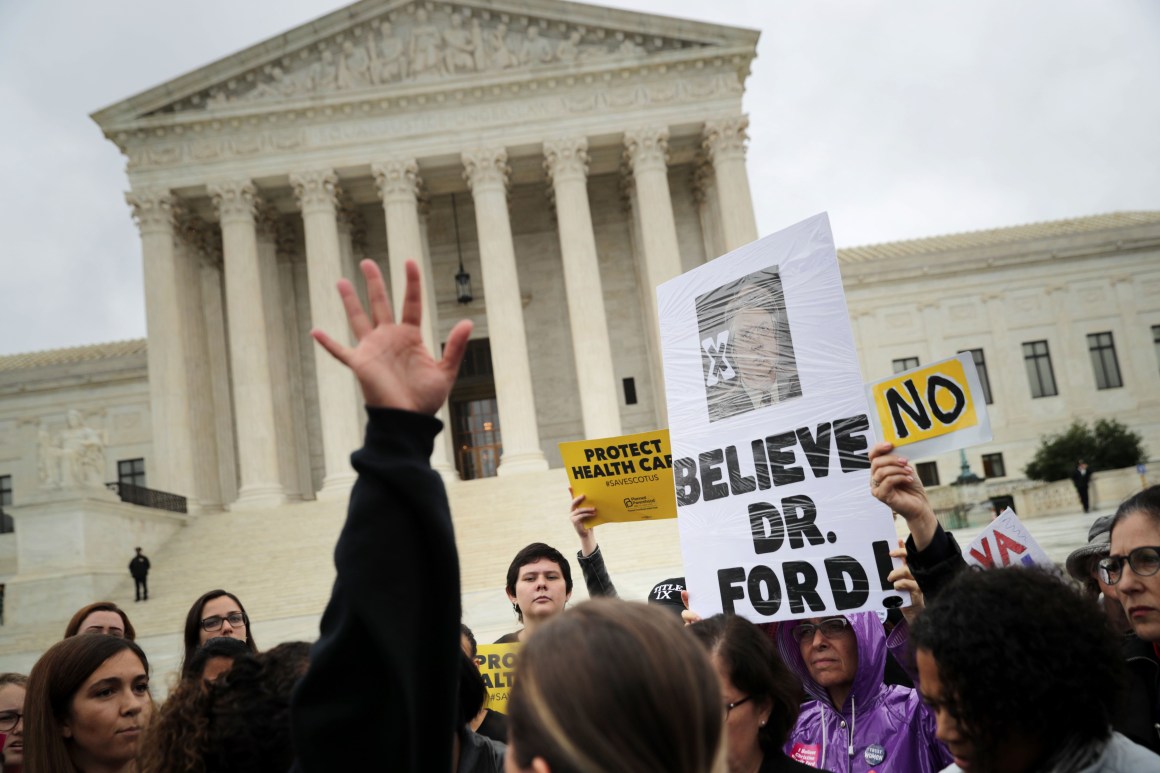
(279, 562)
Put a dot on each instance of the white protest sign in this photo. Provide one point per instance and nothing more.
(770, 433)
(932, 409)
(1004, 542)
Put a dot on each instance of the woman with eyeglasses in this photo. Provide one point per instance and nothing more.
(856, 722)
(1131, 570)
(12, 688)
(216, 614)
(761, 697)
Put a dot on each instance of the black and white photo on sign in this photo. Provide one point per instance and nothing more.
(746, 347)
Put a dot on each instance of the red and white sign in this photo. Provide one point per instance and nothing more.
(1005, 542)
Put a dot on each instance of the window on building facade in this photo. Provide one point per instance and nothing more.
(1102, 349)
(904, 363)
(981, 366)
(927, 473)
(131, 472)
(993, 466)
(6, 524)
(1037, 360)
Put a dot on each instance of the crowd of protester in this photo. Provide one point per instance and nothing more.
(1015, 670)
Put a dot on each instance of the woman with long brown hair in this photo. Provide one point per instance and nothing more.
(87, 706)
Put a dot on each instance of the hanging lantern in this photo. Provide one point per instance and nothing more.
(462, 279)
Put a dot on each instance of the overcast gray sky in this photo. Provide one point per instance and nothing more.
(902, 118)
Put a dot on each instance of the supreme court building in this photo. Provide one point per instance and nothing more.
(570, 158)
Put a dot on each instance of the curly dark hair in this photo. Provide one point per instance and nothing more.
(1021, 654)
(756, 670)
(239, 723)
(250, 726)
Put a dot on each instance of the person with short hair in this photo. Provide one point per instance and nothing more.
(760, 352)
(539, 585)
(87, 707)
(216, 613)
(1081, 478)
(855, 722)
(760, 695)
(214, 658)
(12, 691)
(101, 617)
(1022, 674)
(139, 569)
(616, 687)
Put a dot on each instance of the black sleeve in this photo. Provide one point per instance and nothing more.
(937, 564)
(596, 577)
(383, 676)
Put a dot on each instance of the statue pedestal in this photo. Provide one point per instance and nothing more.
(73, 547)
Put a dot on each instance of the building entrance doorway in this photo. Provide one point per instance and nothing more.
(475, 415)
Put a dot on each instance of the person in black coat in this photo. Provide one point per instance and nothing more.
(139, 568)
(1081, 477)
(383, 681)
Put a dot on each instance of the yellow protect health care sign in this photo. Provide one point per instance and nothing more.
(932, 409)
(497, 666)
(626, 478)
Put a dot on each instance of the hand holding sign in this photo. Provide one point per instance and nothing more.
(579, 515)
(894, 483)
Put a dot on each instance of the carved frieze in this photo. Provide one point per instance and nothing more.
(419, 43)
(216, 141)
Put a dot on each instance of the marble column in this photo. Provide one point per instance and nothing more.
(200, 244)
(724, 144)
(399, 183)
(167, 327)
(646, 155)
(218, 360)
(277, 330)
(566, 163)
(236, 202)
(317, 194)
(486, 172)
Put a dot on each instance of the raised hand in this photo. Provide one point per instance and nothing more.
(894, 483)
(393, 367)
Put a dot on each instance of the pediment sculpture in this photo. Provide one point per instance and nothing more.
(417, 45)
